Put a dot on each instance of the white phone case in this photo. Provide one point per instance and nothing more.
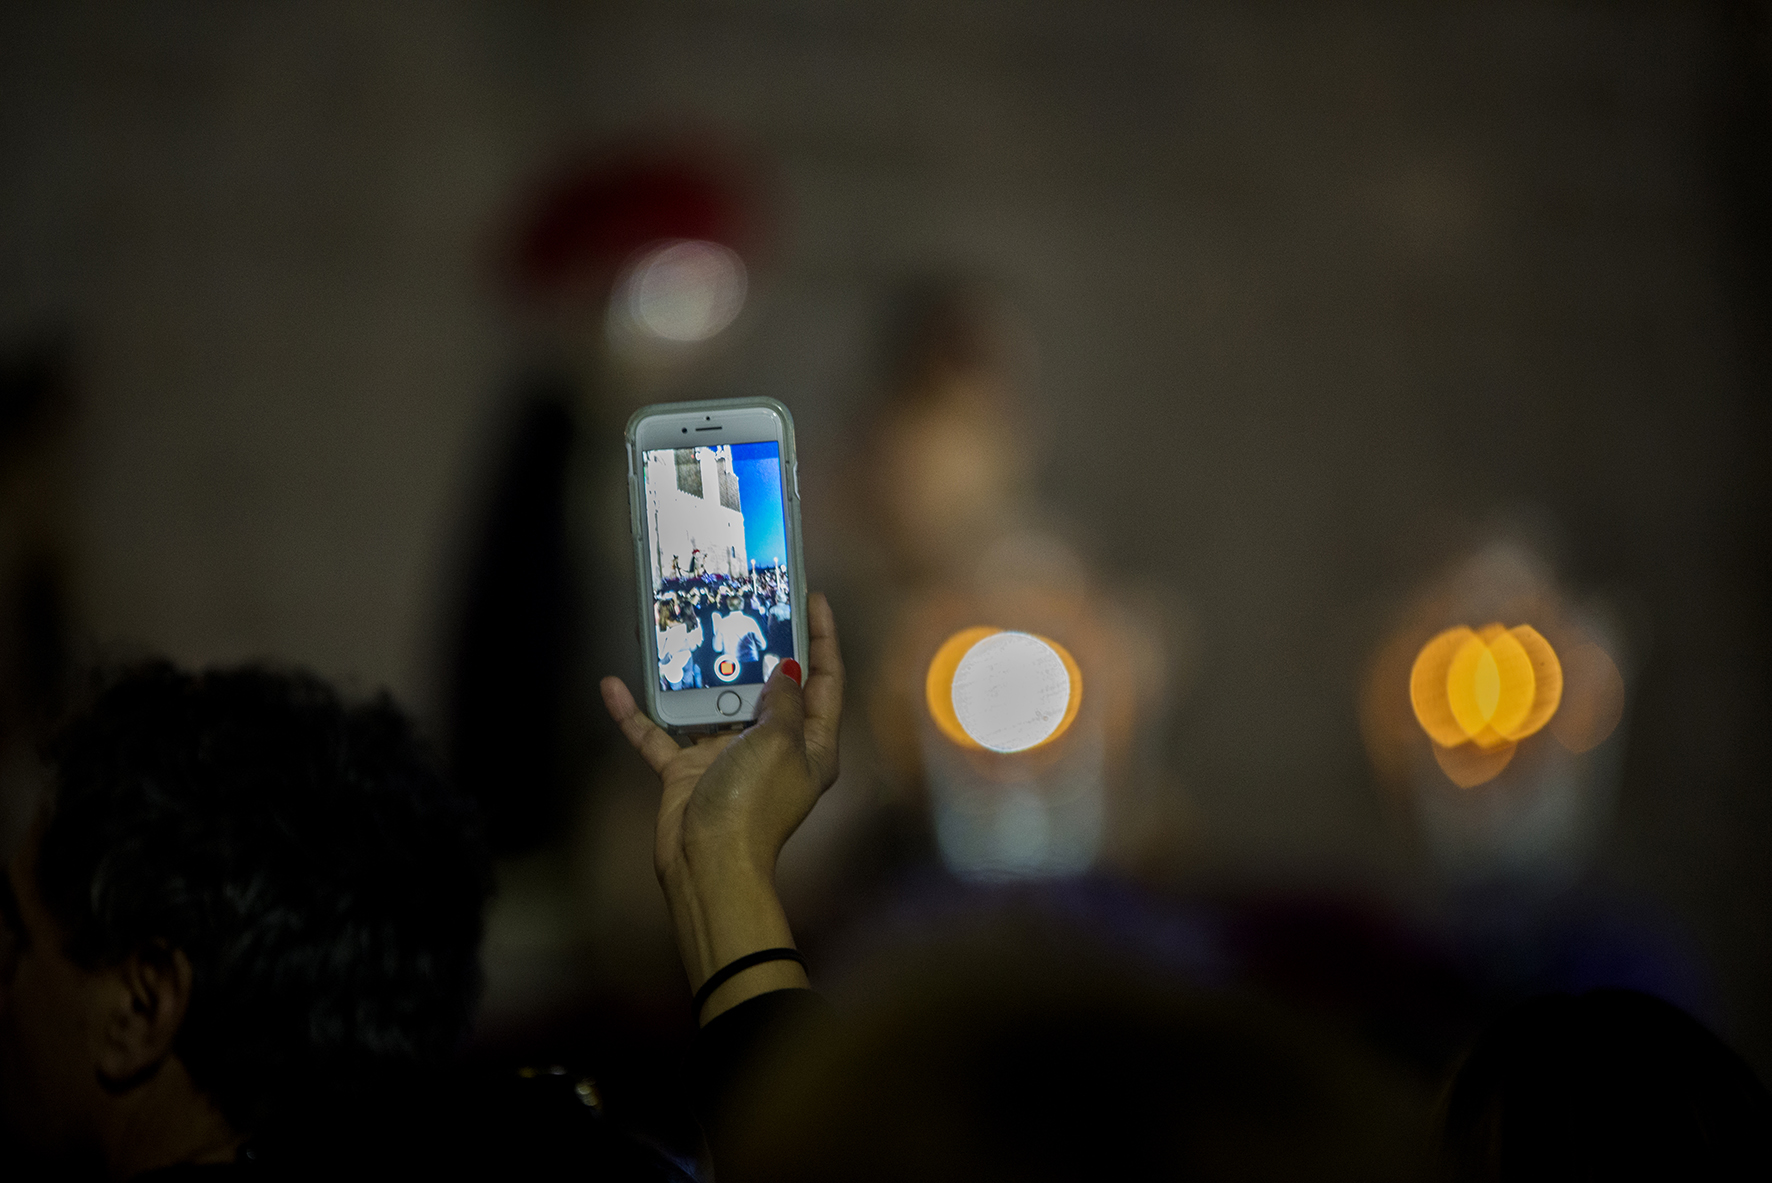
(737, 420)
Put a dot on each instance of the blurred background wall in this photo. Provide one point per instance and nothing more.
(1318, 293)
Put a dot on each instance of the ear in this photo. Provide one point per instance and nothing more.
(147, 995)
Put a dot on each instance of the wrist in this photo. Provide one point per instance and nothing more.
(721, 918)
(776, 968)
(719, 922)
(747, 984)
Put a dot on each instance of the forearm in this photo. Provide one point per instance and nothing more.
(723, 908)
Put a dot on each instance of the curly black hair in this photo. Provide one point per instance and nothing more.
(304, 854)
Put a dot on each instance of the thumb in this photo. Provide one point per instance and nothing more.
(783, 704)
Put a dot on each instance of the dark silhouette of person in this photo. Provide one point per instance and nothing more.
(1611, 1084)
(704, 654)
(780, 627)
(243, 932)
(522, 631)
(542, 605)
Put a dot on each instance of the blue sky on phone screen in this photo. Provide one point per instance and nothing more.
(758, 467)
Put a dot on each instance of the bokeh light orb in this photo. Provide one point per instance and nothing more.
(682, 291)
(1490, 687)
(1002, 690)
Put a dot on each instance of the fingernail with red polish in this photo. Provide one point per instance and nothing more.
(791, 668)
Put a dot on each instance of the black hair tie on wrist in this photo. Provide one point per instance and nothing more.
(733, 968)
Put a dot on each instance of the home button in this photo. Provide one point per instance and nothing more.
(728, 703)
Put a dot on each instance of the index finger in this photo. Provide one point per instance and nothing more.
(653, 742)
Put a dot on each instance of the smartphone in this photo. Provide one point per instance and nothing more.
(713, 489)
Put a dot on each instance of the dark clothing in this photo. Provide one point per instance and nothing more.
(472, 1125)
(453, 1125)
(741, 1043)
(704, 653)
(750, 648)
(780, 628)
(478, 1126)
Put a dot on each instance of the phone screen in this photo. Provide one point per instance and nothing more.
(719, 564)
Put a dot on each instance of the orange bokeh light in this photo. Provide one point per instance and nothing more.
(938, 686)
(1489, 687)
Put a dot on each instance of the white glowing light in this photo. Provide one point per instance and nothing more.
(1011, 691)
(686, 290)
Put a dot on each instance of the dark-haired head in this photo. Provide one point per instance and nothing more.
(1612, 1084)
(300, 857)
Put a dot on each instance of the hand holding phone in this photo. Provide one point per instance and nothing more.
(714, 497)
(729, 803)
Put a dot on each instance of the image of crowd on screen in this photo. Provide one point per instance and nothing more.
(722, 630)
